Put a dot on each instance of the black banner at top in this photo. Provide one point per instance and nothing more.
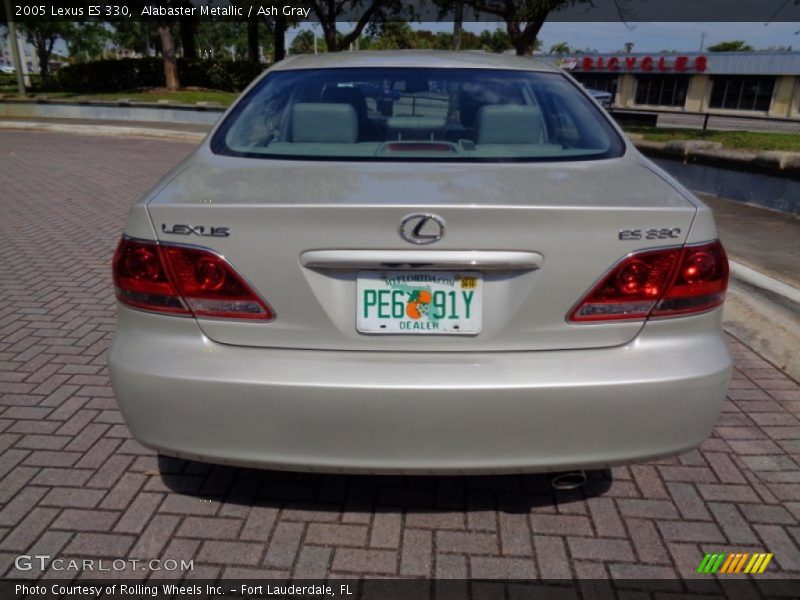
(300, 11)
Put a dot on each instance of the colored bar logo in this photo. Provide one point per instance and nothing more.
(737, 562)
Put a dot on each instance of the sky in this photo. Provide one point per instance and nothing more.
(646, 37)
(654, 37)
(611, 37)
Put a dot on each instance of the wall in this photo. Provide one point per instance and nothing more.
(698, 92)
(188, 115)
(782, 98)
(777, 193)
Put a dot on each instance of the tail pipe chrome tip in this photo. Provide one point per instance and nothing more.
(571, 480)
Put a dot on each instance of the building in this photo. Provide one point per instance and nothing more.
(741, 83)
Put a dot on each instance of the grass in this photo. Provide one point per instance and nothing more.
(188, 96)
(739, 140)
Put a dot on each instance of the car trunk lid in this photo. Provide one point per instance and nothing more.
(539, 234)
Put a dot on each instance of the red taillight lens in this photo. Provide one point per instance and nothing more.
(631, 289)
(211, 287)
(141, 280)
(182, 280)
(700, 283)
(668, 282)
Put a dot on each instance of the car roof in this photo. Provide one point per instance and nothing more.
(413, 58)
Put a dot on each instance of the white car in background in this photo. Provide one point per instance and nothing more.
(419, 262)
(604, 99)
(7, 69)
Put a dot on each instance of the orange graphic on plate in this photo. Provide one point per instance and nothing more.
(418, 304)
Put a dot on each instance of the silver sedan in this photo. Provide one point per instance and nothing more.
(419, 262)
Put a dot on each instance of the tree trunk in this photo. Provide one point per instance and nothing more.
(458, 25)
(188, 31)
(168, 51)
(252, 40)
(525, 40)
(44, 48)
(44, 67)
(280, 38)
(523, 48)
(329, 30)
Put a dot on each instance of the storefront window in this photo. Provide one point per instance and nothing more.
(742, 93)
(603, 83)
(661, 90)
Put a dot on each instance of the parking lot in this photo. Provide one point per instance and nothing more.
(73, 483)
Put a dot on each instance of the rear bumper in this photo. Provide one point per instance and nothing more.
(418, 412)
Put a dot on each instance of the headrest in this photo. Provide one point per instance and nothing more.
(509, 124)
(324, 123)
(347, 95)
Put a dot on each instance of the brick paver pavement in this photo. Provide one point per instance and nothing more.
(74, 484)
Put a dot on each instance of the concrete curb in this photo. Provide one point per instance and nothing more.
(106, 130)
(764, 282)
(764, 313)
(158, 112)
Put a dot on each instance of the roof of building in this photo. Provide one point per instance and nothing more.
(414, 58)
(718, 63)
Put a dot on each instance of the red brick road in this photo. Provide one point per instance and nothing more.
(73, 483)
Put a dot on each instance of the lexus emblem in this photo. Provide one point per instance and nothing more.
(422, 228)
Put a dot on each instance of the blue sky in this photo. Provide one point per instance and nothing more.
(610, 37)
(654, 37)
(646, 37)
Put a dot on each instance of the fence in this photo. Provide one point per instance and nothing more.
(698, 120)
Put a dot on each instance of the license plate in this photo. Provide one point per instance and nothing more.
(419, 302)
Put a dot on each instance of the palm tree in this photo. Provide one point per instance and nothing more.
(560, 48)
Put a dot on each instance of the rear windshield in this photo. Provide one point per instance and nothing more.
(417, 114)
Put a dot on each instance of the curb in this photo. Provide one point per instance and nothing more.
(105, 130)
(764, 282)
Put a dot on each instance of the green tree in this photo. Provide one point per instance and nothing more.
(164, 28)
(364, 12)
(731, 46)
(427, 40)
(560, 48)
(275, 27)
(394, 35)
(524, 18)
(87, 41)
(137, 36)
(496, 41)
(221, 38)
(303, 43)
(42, 35)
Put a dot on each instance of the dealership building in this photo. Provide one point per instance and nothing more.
(763, 84)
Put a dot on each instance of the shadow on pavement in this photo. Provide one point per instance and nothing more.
(373, 493)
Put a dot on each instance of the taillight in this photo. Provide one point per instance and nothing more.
(699, 284)
(182, 280)
(658, 283)
(141, 280)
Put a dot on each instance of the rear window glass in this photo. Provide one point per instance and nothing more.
(416, 114)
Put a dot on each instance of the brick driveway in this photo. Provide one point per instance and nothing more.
(73, 483)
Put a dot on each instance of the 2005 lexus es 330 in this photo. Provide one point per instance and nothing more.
(419, 263)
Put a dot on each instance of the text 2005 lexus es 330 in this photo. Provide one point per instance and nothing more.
(419, 263)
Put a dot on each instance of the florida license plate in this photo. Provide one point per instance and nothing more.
(419, 302)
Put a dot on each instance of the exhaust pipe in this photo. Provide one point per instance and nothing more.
(571, 480)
